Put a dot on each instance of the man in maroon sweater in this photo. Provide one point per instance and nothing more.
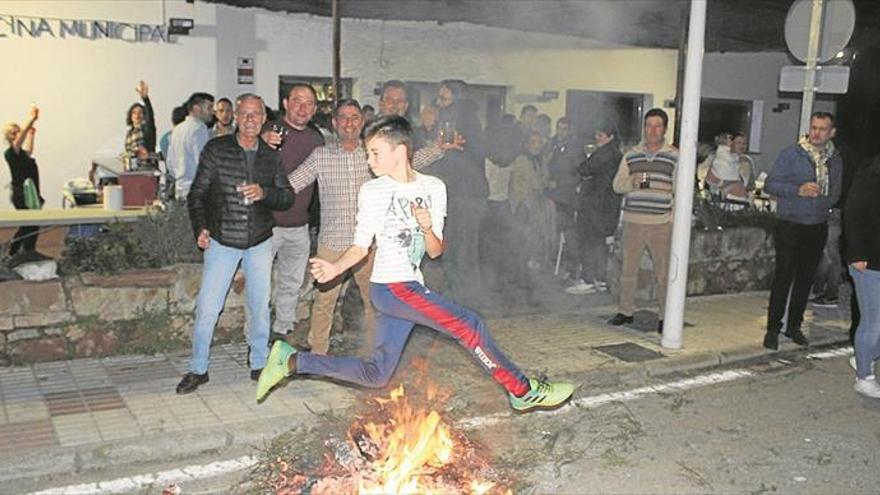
(296, 138)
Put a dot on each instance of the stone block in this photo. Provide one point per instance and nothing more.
(6, 323)
(24, 334)
(743, 243)
(23, 297)
(181, 325)
(53, 331)
(230, 321)
(37, 350)
(164, 277)
(95, 342)
(111, 304)
(74, 332)
(43, 319)
(183, 292)
(711, 243)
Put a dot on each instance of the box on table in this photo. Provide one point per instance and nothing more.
(139, 188)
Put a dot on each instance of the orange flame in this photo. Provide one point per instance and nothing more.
(412, 444)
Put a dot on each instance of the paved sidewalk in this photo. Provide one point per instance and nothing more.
(78, 415)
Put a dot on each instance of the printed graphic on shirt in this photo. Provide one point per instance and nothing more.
(401, 225)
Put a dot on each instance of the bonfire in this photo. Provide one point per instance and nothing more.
(396, 448)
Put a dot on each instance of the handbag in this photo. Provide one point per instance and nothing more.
(31, 196)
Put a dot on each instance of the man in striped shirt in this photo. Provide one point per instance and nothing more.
(340, 170)
(645, 177)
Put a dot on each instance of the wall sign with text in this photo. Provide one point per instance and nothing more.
(41, 27)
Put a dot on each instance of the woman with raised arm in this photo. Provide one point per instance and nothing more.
(140, 139)
(23, 169)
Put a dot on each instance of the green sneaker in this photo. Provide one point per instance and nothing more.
(543, 395)
(275, 369)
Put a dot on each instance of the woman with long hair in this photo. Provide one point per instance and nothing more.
(140, 139)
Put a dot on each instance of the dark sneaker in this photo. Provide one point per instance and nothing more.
(542, 395)
(255, 374)
(771, 341)
(191, 382)
(797, 336)
(620, 319)
(824, 302)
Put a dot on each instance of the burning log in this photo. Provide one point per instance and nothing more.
(396, 449)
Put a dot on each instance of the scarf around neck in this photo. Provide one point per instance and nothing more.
(819, 156)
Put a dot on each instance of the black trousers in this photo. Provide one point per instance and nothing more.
(25, 238)
(798, 251)
(592, 249)
(462, 238)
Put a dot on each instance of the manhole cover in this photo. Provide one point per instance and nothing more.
(629, 352)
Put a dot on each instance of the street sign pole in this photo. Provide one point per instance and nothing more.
(812, 61)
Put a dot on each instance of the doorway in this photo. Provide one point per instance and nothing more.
(588, 109)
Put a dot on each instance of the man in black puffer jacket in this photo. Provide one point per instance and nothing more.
(238, 183)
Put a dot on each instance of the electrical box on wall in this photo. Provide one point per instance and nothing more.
(245, 70)
(180, 26)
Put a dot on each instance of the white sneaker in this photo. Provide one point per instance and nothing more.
(868, 387)
(581, 288)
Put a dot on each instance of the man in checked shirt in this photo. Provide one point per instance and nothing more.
(341, 169)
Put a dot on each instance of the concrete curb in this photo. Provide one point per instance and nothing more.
(91, 458)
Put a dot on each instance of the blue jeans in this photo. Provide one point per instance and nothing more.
(399, 307)
(218, 267)
(868, 333)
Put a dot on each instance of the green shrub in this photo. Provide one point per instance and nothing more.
(159, 239)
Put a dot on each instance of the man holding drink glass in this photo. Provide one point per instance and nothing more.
(806, 180)
(645, 177)
(238, 183)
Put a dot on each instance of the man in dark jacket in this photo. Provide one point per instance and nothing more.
(565, 152)
(806, 180)
(464, 173)
(239, 181)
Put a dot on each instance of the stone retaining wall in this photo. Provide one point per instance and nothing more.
(44, 321)
(140, 311)
(721, 261)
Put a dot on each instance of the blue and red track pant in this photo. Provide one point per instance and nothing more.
(400, 306)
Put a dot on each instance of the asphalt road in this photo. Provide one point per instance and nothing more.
(775, 426)
(785, 427)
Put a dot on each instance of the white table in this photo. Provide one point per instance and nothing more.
(74, 216)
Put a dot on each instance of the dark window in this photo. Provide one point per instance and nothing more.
(589, 109)
(724, 116)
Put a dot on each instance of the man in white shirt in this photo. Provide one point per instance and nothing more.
(187, 140)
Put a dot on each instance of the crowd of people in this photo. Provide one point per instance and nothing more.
(248, 206)
(504, 205)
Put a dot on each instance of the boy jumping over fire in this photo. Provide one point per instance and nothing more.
(404, 211)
